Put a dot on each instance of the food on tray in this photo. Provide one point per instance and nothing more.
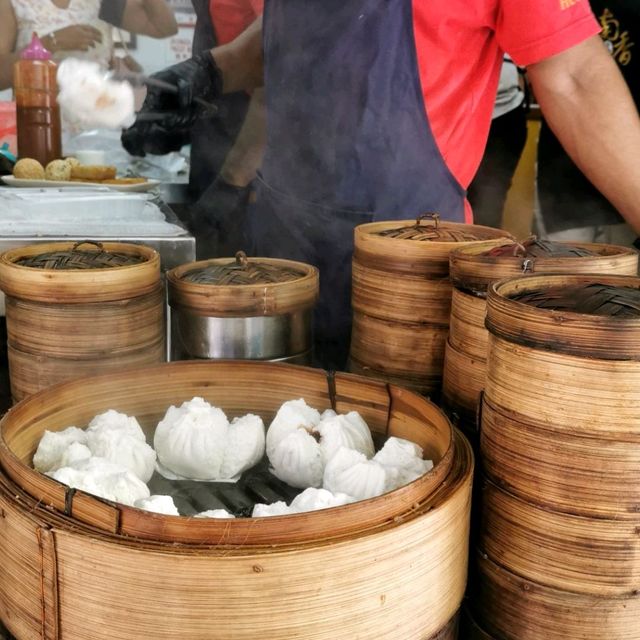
(300, 441)
(331, 456)
(104, 479)
(70, 170)
(28, 169)
(215, 513)
(398, 463)
(119, 438)
(58, 170)
(53, 446)
(125, 181)
(309, 500)
(93, 172)
(196, 441)
(89, 97)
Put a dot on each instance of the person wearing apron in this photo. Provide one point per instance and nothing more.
(349, 139)
(348, 142)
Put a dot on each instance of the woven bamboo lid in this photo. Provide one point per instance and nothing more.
(420, 246)
(585, 315)
(228, 287)
(475, 267)
(66, 272)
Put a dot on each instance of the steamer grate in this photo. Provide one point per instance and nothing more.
(593, 299)
(75, 258)
(242, 272)
(437, 232)
(257, 485)
(534, 248)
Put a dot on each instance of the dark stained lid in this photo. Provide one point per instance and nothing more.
(438, 231)
(243, 272)
(593, 299)
(76, 258)
(534, 248)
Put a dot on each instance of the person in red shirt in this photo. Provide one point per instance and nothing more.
(380, 109)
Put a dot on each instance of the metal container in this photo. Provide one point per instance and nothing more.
(241, 309)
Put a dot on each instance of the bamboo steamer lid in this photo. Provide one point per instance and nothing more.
(66, 272)
(474, 268)
(513, 608)
(226, 287)
(585, 315)
(416, 247)
(238, 387)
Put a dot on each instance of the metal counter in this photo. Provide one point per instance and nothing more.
(174, 250)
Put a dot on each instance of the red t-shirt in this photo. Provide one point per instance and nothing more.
(231, 17)
(460, 46)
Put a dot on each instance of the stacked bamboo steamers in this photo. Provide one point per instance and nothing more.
(401, 298)
(559, 439)
(74, 566)
(473, 270)
(79, 309)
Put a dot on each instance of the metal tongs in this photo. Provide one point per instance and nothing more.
(141, 80)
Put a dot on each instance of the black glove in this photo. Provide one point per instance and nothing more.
(219, 221)
(198, 77)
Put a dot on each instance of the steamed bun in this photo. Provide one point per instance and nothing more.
(28, 169)
(58, 170)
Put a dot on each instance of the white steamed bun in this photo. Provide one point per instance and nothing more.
(158, 504)
(52, 446)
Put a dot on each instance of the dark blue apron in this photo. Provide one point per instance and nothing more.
(349, 142)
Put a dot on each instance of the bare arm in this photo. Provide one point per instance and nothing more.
(588, 106)
(8, 34)
(150, 18)
(241, 61)
(245, 157)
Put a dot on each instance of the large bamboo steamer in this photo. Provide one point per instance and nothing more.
(65, 321)
(237, 387)
(401, 296)
(390, 576)
(510, 607)
(575, 387)
(593, 556)
(473, 269)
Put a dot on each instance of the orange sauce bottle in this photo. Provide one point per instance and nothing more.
(37, 111)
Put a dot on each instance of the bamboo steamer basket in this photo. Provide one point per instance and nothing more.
(592, 556)
(78, 308)
(259, 308)
(562, 398)
(398, 574)
(238, 387)
(473, 269)
(401, 296)
(513, 608)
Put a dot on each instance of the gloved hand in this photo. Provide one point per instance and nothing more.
(198, 77)
(219, 220)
